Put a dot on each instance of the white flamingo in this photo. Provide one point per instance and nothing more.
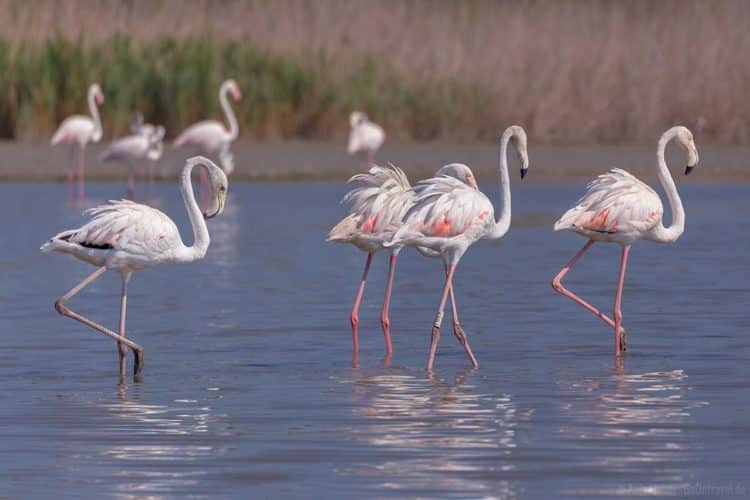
(80, 130)
(212, 136)
(379, 201)
(145, 144)
(124, 236)
(619, 208)
(365, 137)
(448, 216)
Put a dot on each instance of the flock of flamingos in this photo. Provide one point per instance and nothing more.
(440, 217)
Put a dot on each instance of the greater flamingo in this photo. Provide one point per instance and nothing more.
(379, 200)
(365, 137)
(80, 130)
(156, 132)
(448, 216)
(124, 236)
(619, 208)
(212, 136)
(146, 143)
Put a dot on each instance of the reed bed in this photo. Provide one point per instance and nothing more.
(579, 71)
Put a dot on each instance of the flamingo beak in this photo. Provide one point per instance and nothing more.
(689, 169)
(523, 172)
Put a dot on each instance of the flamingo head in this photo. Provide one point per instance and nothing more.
(461, 172)
(218, 184)
(519, 142)
(96, 91)
(357, 118)
(233, 89)
(688, 142)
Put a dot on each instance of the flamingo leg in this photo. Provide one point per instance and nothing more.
(385, 321)
(61, 308)
(439, 317)
(620, 341)
(81, 171)
(70, 175)
(131, 181)
(122, 348)
(557, 285)
(458, 331)
(354, 318)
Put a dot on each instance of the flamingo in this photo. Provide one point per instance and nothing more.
(212, 136)
(146, 143)
(80, 130)
(138, 126)
(448, 216)
(379, 201)
(619, 208)
(365, 137)
(124, 236)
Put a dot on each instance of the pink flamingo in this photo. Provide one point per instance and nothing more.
(124, 236)
(80, 130)
(145, 144)
(448, 216)
(619, 208)
(212, 136)
(379, 201)
(157, 132)
(365, 137)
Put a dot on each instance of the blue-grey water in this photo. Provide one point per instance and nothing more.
(249, 388)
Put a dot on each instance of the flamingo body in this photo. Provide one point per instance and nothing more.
(77, 129)
(365, 137)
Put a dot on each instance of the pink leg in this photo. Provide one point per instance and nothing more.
(81, 172)
(620, 345)
(70, 175)
(122, 348)
(354, 318)
(131, 182)
(65, 311)
(439, 317)
(385, 321)
(557, 285)
(458, 331)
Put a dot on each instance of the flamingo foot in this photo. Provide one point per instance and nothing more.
(433, 346)
(623, 341)
(458, 331)
(138, 365)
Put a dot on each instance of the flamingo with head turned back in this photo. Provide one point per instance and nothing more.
(79, 130)
(379, 200)
(146, 144)
(124, 236)
(448, 216)
(619, 208)
(365, 137)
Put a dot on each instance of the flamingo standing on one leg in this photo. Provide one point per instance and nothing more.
(379, 201)
(365, 137)
(619, 208)
(125, 237)
(448, 216)
(145, 144)
(80, 130)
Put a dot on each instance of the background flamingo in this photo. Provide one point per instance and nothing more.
(80, 130)
(146, 144)
(619, 208)
(156, 132)
(448, 216)
(365, 137)
(379, 201)
(124, 236)
(212, 136)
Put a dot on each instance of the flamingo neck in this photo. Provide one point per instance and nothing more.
(201, 239)
(97, 134)
(677, 227)
(502, 224)
(233, 129)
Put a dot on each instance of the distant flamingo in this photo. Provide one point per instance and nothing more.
(80, 130)
(124, 236)
(156, 132)
(448, 216)
(365, 137)
(145, 144)
(379, 200)
(619, 208)
(212, 136)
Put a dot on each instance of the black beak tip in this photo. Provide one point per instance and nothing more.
(523, 172)
(688, 169)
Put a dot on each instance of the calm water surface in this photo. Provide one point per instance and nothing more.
(249, 388)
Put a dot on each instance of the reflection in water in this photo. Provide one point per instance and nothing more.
(434, 435)
(640, 421)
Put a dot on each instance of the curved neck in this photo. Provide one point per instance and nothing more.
(201, 238)
(502, 224)
(95, 115)
(233, 130)
(671, 233)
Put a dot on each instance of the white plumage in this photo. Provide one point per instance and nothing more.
(365, 137)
